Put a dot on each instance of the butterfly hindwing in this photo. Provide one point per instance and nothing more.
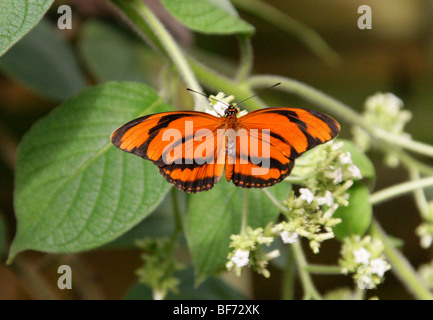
(205, 171)
(258, 164)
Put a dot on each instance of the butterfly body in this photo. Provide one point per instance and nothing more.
(257, 150)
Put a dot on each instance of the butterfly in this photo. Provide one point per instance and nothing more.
(257, 150)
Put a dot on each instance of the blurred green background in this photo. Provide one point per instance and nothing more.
(49, 65)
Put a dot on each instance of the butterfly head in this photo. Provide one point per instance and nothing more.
(231, 111)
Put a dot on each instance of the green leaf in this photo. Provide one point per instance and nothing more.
(211, 289)
(356, 217)
(17, 18)
(361, 160)
(73, 189)
(206, 16)
(215, 215)
(111, 54)
(159, 224)
(45, 62)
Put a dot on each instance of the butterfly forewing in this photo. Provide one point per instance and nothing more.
(183, 144)
(293, 131)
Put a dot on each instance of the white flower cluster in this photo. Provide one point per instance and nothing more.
(364, 258)
(385, 111)
(329, 172)
(247, 251)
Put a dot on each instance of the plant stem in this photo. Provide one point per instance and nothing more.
(322, 269)
(286, 23)
(289, 276)
(412, 163)
(310, 292)
(244, 224)
(246, 63)
(400, 189)
(275, 201)
(138, 24)
(360, 293)
(176, 211)
(400, 266)
(345, 112)
(134, 9)
(420, 198)
(217, 82)
(310, 94)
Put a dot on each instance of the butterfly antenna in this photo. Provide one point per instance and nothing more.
(259, 93)
(200, 93)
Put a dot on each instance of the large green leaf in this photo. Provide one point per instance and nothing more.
(211, 289)
(45, 62)
(215, 215)
(160, 224)
(74, 190)
(208, 16)
(356, 217)
(17, 17)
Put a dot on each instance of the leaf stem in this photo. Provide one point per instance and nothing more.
(244, 224)
(411, 162)
(322, 269)
(400, 189)
(345, 112)
(134, 9)
(246, 63)
(275, 201)
(286, 23)
(310, 291)
(400, 266)
(218, 82)
(289, 276)
(176, 211)
(420, 198)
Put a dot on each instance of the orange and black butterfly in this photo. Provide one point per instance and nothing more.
(258, 149)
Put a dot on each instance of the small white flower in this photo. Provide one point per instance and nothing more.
(388, 101)
(306, 195)
(379, 267)
(158, 295)
(328, 199)
(241, 258)
(273, 254)
(337, 145)
(220, 108)
(426, 241)
(242, 113)
(338, 176)
(365, 282)
(289, 237)
(345, 158)
(356, 173)
(362, 256)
